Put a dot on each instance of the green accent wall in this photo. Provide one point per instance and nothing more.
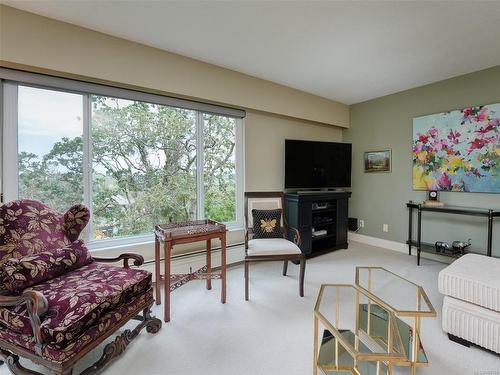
(386, 122)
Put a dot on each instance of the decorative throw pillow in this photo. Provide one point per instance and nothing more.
(267, 223)
(17, 274)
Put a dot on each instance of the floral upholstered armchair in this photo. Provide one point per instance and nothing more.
(57, 302)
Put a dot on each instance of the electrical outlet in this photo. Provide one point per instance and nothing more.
(385, 227)
(361, 223)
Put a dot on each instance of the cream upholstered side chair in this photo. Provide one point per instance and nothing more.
(271, 249)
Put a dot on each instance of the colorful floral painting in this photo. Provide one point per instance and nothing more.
(458, 150)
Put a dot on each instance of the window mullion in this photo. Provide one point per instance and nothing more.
(200, 185)
(240, 171)
(10, 164)
(87, 161)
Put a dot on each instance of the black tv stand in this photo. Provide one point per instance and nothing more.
(326, 191)
(321, 210)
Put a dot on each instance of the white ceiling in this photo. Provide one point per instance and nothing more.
(347, 51)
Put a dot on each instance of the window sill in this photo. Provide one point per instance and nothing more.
(97, 247)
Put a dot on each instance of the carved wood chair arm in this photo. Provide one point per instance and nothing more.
(297, 240)
(138, 259)
(37, 306)
(248, 232)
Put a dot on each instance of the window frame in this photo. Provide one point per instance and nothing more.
(9, 171)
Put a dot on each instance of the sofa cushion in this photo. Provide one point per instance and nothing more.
(17, 274)
(472, 278)
(271, 246)
(78, 299)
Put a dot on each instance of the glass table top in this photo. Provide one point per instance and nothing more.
(394, 292)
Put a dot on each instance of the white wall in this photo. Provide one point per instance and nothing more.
(275, 112)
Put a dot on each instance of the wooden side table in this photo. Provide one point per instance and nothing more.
(187, 232)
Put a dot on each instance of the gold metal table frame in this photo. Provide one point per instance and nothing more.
(380, 338)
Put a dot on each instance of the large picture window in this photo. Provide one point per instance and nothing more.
(50, 146)
(134, 163)
(143, 166)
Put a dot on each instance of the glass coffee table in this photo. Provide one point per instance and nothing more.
(371, 326)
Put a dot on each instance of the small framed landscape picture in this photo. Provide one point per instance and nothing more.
(377, 161)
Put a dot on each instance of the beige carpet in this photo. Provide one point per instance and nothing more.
(272, 333)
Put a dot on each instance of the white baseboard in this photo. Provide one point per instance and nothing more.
(395, 246)
(379, 242)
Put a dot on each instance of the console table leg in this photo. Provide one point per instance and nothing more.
(490, 232)
(209, 264)
(410, 227)
(419, 235)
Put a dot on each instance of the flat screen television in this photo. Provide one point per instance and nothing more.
(317, 165)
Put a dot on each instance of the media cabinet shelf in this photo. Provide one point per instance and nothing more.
(322, 210)
(316, 238)
(487, 213)
(320, 225)
(301, 215)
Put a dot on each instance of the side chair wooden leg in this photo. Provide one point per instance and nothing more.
(301, 277)
(285, 267)
(246, 281)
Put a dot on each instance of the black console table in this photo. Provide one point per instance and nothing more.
(454, 210)
(321, 210)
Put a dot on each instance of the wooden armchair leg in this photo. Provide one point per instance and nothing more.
(301, 277)
(12, 362)
(285, 267)
(246, 281)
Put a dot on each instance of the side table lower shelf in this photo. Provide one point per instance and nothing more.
(378, 332)
(378, 328)
(327, 358)
(430, 248)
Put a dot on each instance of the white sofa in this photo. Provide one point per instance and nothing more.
(471, 306)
